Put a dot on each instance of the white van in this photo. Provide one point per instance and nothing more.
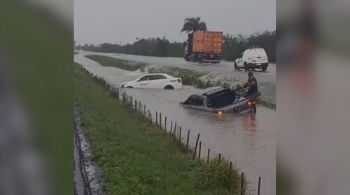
(252, 59)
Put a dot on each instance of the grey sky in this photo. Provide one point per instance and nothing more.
(115, 21)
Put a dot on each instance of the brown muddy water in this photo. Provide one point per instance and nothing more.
(246, 140)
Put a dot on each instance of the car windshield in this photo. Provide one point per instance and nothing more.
(195, 100)
(144, 78)
(157, 77)
(255, 53)
(221, 98)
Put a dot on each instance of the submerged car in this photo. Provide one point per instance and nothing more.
(219, 100)
(157, 80)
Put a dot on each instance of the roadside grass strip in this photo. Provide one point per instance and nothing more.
(136, 156)
(118, 63)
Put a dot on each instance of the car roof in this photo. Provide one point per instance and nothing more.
(212, 90)
(255, 50)
(151, 74)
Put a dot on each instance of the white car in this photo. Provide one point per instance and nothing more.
(252, 59)
(156, 80)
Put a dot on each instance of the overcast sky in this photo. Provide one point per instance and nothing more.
(122, 21)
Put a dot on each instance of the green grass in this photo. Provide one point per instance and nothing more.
(118, 63)
(39, 54)
(136, 157)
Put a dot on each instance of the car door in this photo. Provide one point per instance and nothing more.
(158, 81)
(143, 82)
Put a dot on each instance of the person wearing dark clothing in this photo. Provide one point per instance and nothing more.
(251, 86)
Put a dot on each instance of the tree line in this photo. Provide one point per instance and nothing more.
(233, 46)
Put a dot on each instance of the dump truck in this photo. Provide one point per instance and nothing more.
(204, 47)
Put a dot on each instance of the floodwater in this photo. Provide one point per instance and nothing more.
(224, 67)
(247, 140)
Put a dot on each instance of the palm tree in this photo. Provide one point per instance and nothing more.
(193, 24)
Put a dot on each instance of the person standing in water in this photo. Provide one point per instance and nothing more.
(251, 86)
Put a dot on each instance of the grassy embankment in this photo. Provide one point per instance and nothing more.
(118, 63)
(135, 156)
(189, 77)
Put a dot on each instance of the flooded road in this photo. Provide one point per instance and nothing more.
(224, 67)
(246, 140)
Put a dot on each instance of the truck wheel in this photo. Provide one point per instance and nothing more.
(236, 68)
(245, 67)
(200, 60)
(264, 69)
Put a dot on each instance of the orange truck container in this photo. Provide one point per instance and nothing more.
(207, 42)
(204, 46)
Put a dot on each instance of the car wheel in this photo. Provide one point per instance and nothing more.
(168, 87)
(236, 109)
(246, 68)
(235, 65)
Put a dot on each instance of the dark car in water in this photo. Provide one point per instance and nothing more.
(219, 99)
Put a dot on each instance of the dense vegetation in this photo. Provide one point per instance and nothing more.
(135, 156)
(233, 46)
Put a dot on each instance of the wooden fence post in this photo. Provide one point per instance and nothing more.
(157, 117)
(208, 155)
(174, 130)
(171, 126)
(131, 101)
(229, 176)
(188, 139)
(242, 184)
(174, 134)
(165, 123)
(180, 134)
(219, 157)
(259, 184)
(144, 111)
(149, 116)
(195, 149)
(160, 120)
(200, 150)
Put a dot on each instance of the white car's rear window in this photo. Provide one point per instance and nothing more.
(255, 53)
